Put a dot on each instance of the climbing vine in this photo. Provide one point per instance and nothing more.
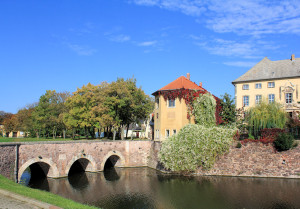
(189, 97)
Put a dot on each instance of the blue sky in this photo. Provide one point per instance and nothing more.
(62, 45)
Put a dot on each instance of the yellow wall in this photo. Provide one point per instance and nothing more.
(169, 118)
(281, 87)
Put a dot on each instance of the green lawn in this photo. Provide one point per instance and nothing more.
(43, 196)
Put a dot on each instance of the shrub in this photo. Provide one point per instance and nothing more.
(195, 146)
(250, 136)
(205, 110)
(284, 141)
(271, 132)
(238, 145)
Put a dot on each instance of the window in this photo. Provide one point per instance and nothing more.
(246, 87)
(156, 115)
(245, 101)
(271, 84)
(157, 103)
(167, 133)
(271, 98)
(288, 98)
(157, 134)
(257, 99)
(171, 103)
(258, 85)
(174, 131)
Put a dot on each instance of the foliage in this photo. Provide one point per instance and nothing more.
(265, 141)
(250, 136)
(189, 97)
(228, 112)
(43, 196)
(238, 145)
(266, 115)
(204, 110)
(284, 141)
(47, 114)
(271, 133)
(195, 146)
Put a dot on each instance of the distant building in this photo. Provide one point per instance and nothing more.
(170, 115)
(271, 80)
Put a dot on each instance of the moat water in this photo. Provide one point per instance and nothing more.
(143, 188)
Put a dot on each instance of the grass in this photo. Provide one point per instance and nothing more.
(43, 196)
(6, 139)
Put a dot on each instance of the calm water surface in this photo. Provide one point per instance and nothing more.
(143, 188)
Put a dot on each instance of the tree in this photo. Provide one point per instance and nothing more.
(80, 110)
(228, 112)
(204, 110)
(265, 115)
(46, 115)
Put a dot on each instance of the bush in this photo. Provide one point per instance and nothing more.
(195, 146)
(271, 133)
(250, 136)
(238, 145)
(284, 142)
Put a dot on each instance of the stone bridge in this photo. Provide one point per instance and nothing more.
(56, 159)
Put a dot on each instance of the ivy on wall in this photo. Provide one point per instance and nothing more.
(189, 97)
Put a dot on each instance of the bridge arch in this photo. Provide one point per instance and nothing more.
(46, 164)
(116, 158)
(87, 162)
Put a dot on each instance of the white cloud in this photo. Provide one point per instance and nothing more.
(229, 48)
(147, 43)
(243, 17)
(255, 17)
(120, 38)
(82, 50)
(194, 8)
(240, 64)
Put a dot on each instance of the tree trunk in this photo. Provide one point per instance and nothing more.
(114, 136)
(122, 132)
(85, 133)
(127, 130)
(64, 133)
(53, 134)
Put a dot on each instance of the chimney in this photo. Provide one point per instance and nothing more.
(293, 57)
(200, 84)
(188, 76)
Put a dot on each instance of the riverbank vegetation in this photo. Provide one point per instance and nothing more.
(43, 196)
(107, 108)
(197, 145)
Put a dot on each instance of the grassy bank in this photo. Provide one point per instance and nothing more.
(43, 196)
(6, 139)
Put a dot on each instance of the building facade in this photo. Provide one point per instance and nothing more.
(170, 115)
(271, 81)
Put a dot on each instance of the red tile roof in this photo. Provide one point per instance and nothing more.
(181, 82)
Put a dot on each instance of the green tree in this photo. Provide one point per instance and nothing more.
(80, 106)
(265, 115)
(46, 115)
(228, 112)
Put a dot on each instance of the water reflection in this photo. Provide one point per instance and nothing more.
(147, 188)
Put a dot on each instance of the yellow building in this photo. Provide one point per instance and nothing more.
(170, 113)
(271, 80)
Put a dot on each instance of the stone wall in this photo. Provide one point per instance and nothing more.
(7, 161)
(256, 159)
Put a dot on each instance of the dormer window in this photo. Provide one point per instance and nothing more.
(246, 87)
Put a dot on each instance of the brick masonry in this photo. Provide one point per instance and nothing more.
(253, 159)
(7, 161)
(256, 159)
